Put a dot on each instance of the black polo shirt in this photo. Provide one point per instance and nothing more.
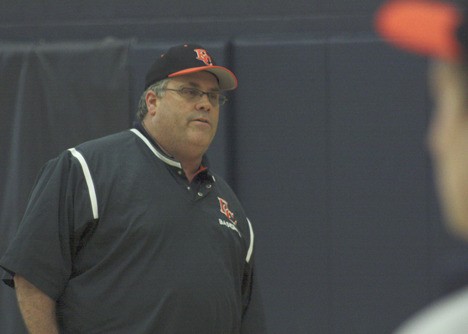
(115, 233)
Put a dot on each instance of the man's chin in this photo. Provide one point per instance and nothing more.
(201, 141)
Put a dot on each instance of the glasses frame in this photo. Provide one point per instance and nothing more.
(184, 92)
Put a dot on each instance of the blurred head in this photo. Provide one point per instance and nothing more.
(448, 141)
(438, 29)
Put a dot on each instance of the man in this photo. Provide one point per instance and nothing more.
(440, 30)
(133, 233)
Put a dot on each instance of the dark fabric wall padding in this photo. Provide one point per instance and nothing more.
(281, 172)
(52, 97)
(378, 186)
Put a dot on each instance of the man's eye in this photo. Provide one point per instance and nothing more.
(213, 96)
(190, 92)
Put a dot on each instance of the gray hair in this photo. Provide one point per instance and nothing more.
(157, 88)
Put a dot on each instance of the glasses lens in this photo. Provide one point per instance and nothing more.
(193, 94)
(190, 93)
(214, 98)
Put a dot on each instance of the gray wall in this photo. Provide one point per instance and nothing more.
(323, 141)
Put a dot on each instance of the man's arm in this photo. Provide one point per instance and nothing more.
(37, 309)
(253, 319)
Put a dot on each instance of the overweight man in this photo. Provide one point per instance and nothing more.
(134, 232)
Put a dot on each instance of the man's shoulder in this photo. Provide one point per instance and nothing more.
(108, 151)
(104, 143)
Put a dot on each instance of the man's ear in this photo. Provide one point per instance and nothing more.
(151, 101)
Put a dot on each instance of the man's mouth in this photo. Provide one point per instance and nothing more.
(202, 120)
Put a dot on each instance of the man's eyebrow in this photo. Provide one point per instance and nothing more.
(196, 85)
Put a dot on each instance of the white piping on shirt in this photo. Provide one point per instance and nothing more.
(89, 181)
(249, 252)
(155, 151)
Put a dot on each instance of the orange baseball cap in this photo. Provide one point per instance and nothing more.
(427, 27)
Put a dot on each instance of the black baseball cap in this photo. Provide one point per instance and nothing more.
(186, 59)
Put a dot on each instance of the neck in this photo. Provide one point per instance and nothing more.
(190, 168)
(190, 158)
(155, 140)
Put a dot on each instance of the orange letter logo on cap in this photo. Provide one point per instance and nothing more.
(203, 56)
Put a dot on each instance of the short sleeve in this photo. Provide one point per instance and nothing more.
(253, 318)
(42, 249)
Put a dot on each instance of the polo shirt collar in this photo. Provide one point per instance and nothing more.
(140, 131)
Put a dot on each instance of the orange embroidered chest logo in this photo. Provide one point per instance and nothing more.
(225, 210)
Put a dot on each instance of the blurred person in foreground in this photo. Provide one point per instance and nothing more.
(440, 30)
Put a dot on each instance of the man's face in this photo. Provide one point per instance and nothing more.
(448, 140)
(182, 125)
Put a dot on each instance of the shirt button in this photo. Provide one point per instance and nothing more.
(208, 186)
(188, 188)
(200, 194)
(179, 172)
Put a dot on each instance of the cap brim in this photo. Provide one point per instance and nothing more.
(227, 80)
(423, 27)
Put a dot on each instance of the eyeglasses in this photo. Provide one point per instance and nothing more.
(195, 95)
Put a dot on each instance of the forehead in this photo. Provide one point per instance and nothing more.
(198, 79)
